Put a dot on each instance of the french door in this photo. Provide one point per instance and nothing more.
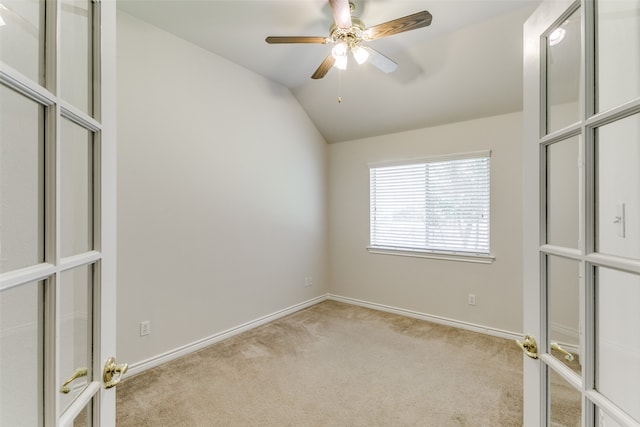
(57, 213)
(582, 214)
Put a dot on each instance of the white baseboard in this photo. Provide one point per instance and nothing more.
(152, 362)
(428, 317)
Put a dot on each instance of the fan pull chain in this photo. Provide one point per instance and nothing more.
(339, 86)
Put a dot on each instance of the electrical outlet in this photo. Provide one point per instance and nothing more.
(145, 328)
(308, 281)
(472, 299)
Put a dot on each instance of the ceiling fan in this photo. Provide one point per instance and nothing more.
(347, 34)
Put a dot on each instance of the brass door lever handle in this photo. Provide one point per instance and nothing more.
(567, 356)
(529, 346)
(110, 369)
(80, 372)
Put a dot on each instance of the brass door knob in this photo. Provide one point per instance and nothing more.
(529, 346)
(110, 369)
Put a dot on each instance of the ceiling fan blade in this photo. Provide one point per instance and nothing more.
(341, 13)
(380, 61)
(400, 25)
(295, 39)
(324, 68)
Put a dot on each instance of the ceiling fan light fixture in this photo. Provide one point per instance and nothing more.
(341, 62)
(360, 54)
(339, 50)
(348, 31)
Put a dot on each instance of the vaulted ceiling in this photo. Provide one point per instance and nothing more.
(466, 64)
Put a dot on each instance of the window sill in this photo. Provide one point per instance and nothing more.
(447, 256)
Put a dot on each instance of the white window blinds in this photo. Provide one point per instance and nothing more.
(435, 206)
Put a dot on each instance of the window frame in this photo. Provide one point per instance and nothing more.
(449, 255)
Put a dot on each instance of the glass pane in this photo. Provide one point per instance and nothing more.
(75, 317)
(618, 188)
(76, 187)
(565, 402)
(21, 36)
(84, 417)
(563, 308)
(563, 74)
(21, 355)
(563, 193)
(605, 420)
(76, 53)
(617, 52)
(21, 181)
(618, 338)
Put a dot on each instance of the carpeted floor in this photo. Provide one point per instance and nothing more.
(335, 364)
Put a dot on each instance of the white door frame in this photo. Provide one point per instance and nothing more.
(106, 317)
(549, 14)
(103, 257)
(533, 393)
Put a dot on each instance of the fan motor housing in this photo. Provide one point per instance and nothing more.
(352, 36)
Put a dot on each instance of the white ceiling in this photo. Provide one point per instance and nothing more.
(466, 64)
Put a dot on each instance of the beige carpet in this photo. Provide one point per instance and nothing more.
(335, 364)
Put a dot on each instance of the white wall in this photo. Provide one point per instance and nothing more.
(221, 194)
(429, 286)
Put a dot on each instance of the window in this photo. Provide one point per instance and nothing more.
(435, 207)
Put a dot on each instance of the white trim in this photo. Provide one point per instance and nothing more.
(74, 261)
(569, 253)
(610, 261)
(500, 333)
(80, 402)
(611, 409)
(448, 256)
(564, 371)
(26, 275)
(431, 159)
(152, 362)
(23, 85)
(77, 116)
(106, 142)
(539, 23)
